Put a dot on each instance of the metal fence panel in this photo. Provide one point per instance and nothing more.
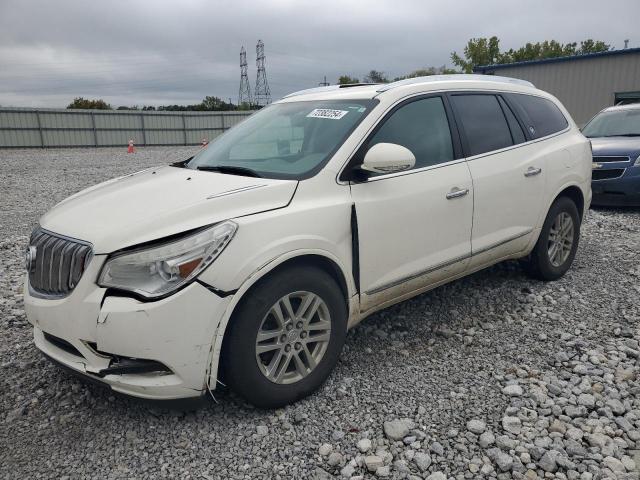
(232, 120)
(117, 120)
(60, 120)
(20, 138)
(165, 137)
(196, 136)
(28, 127)
(201, 121)
(18, 119)
(112, 138)
(68, 138)
(163, 121)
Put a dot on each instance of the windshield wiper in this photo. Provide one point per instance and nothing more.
(181, 163)
(230, 169)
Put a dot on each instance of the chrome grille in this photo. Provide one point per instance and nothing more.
(56, 262)
(597, 159)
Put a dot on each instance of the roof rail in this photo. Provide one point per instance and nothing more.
(359, 84)
(313, 90)
(329, 88)
(460, 77)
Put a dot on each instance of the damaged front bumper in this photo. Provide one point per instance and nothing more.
(154, 350)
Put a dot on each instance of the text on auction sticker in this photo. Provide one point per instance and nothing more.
(327, 113)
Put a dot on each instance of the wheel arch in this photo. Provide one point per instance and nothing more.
(320, 259)
(575, 194)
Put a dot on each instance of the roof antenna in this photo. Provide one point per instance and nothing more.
(626, 43)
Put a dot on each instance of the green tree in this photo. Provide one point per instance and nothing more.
(374, 76)
(346, 79)
(486, 51)
(478, 51)
(539, 51)
(215, 104)
(425, 72)
(209, 103)
(84, 103)
(593, 46)
(553, 49)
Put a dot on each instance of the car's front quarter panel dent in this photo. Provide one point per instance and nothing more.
(177, 330)
(265, 241)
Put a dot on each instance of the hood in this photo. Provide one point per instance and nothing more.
(159, 202)
(616, 146)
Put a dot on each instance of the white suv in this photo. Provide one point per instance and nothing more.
(247, 263)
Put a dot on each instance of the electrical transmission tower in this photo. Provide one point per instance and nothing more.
(261, 95)
(244, 95)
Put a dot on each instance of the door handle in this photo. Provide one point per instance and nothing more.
(457, 192)
(532, 172)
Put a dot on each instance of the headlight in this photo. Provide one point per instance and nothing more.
(637, 162)
(156, 271)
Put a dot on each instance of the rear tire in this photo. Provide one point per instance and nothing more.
(285, 337)
(556, 247)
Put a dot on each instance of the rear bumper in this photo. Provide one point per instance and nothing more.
(154, 350)
(619, 191)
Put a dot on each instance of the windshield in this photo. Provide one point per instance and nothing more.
(614, 123)
(285, 140)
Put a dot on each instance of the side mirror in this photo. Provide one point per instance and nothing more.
(388, 158)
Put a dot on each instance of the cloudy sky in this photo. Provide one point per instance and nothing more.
(153, 52)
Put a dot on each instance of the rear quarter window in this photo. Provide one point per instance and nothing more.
(541, 116)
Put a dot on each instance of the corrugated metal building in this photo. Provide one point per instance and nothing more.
(585, 84)
(29, 127)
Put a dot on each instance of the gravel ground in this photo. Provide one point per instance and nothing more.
(493, 376)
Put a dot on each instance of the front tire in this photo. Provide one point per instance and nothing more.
(556, 247)
(285, 337)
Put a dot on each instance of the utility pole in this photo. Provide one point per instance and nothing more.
(325, 83)
(244, 94)
(262, 94)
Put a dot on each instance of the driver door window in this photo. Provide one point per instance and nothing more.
(422, 127)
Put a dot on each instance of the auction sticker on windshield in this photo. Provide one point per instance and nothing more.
(327, 113)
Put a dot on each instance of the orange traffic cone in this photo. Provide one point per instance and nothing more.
(130, 148)
(204, 143)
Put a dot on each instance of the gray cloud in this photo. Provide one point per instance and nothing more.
(161, 52)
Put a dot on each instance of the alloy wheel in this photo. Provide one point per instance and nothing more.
(560, 239)
(293, 337)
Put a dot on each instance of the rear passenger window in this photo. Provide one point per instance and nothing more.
(541, 116)
(483, 122)
(422, 127)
